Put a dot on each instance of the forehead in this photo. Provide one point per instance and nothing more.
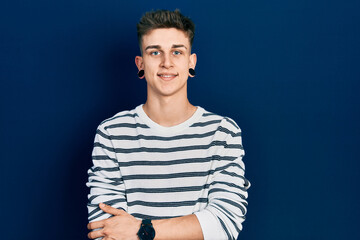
(165, 37)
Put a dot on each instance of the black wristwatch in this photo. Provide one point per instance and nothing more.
(146, 231)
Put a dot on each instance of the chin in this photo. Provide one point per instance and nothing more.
(169, 92)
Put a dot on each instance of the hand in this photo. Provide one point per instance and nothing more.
(121, 226)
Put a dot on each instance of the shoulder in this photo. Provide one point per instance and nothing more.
(223, 121)
(125, 117)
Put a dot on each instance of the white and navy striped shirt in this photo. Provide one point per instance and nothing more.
(155, 172)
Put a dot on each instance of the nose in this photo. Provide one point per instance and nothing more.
(166, 61)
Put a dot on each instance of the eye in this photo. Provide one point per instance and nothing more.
(155, 53)
(176, 53)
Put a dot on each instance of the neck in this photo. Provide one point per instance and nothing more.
(168, 111)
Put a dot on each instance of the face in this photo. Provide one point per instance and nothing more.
(166, 61)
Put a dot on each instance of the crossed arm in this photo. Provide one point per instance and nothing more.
(124, 226)
(221, 219)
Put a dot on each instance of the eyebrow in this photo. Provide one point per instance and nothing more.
(152, 46)
(158, 46)
(179, 46)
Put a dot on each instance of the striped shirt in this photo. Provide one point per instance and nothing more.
(156, 172)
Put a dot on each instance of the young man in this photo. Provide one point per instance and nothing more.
(167, 169)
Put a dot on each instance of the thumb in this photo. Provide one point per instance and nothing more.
(109, 209)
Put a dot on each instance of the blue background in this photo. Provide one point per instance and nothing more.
(287, 72)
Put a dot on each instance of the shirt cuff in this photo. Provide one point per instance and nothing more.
(210, 226)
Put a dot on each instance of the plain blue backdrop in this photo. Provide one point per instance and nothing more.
(286, 71)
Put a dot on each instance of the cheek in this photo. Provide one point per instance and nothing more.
(183, 64)
(186, 68)
(150, 68)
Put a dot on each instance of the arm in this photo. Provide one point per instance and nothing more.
(186, 227)
(228, 187)
(105, 180)
(125, 226)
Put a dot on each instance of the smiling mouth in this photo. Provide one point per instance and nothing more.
(167, 76)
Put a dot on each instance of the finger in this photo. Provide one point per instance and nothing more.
(95, 225)
(109, 209)
(95, 234)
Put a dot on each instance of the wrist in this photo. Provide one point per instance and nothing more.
(146, 231)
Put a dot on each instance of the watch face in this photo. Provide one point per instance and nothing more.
(146, 232)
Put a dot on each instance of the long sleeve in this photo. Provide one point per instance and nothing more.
(105, 180)
(227, 205)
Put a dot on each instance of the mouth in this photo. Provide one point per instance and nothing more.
(167, 76)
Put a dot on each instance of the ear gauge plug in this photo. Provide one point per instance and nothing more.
(141, 74)
(192, 72)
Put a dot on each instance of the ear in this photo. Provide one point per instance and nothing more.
(139, 62)
(193, 59)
